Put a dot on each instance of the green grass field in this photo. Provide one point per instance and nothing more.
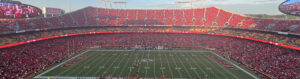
(148, 64)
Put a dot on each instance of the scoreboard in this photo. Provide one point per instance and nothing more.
(18, 10)
(290, 7)
(50, 12)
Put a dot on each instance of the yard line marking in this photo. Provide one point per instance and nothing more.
(253, 76)
(94, 60)
(52, 68)
(127, 62)
(147, 64)
(132, 64)
(60, 64)
(222, 67)
(67, 77)
(209, 62)
(73, 70)
(107, 50)
(106, 62)
(198, 59)
(118, 64)
(176, 66)
(162, 70)
(110, 66)
(169, 65)
(194, 61)
(192, 68)
(96, 65)
(141, 61)
(154, 65)
(185, 69)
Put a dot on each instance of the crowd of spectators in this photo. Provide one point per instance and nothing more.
(207, 17)
(272, 37)
(270, 60)
(9, 39)
(292, 40)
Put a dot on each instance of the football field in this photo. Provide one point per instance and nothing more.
(147, 64)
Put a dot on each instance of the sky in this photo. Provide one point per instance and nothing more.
(291, 2)
(236, 6)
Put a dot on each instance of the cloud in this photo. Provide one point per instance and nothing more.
(230, 2)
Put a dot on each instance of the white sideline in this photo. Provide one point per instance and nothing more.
(64, 77)
(59, 77)
(253, 76)
(48, 70)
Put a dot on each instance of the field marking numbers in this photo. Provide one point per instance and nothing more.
(141, 61)
(179, 57)
(90, 60)
(185, 69)
(177, 68)
(101, 67)
(213, 61)
(127, 62)
(154, 64)
(169, 66)
(117, 67)
(196, 59)
(191, 67)
(97, 64)
(106, 62)
(113, 63)
(136, 57)
(193, 61)
(146, 67)
(253, 76)
(161, 66)
(60, 64)
(147, 64)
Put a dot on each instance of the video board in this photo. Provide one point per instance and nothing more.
(290, 7)
(18, 10)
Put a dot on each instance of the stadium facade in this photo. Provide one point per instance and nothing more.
(268, 47)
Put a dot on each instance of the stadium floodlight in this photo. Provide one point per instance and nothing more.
(106, 1)
(182, 2)
(121, 3)
(188, 2)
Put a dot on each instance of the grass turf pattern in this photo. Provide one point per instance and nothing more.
(149, 64)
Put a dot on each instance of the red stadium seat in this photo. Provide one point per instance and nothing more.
(235, 20)
(79, 17)
(92, 16)
(169, 17)
(210, 15)
(223, 18)
(179, 16)
(200, 17)
(189, 17)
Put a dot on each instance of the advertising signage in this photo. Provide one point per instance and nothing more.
(290, 7)
(18, 10)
